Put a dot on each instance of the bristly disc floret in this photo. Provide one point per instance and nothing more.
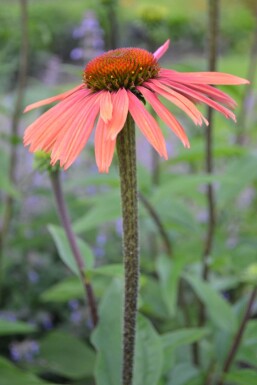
(122, 67)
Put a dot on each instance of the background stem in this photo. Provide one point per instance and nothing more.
(213, 20)
(15, 120)
(126, 149)
(238, 337)
(64, 216)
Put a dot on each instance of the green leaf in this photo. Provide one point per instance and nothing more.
(148, 355)
(11, 375)
(238, 175)
(106, 209)
(9, 328)
(169, 273)
(184, 185)
(65, 252)
(181, 337)
(64, 291)
(107, 336)
(219, 310)
(112, 270)
(242, 377)
(65, 355)
(185, 374)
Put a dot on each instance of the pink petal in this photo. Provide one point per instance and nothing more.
(202, 77)
(147, 124)
(105, 105)
(55, 98)
(165, 114)
(75, 134)
(161, 50)
(216, 94)
(202, 98)
(179, 100)
(120, 103)
(50, 123)
(104, 148)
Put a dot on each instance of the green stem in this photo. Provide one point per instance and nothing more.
(238, 337)
(157, 220)
(126, 149)
(15, 120)
(213, 12)
(64, 216)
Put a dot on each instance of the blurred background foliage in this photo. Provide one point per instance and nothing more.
(45, 329)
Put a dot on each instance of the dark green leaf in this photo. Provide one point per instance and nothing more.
(11, 375)
(63, 354)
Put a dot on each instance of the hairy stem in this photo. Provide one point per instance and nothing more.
(65, 220)
(126, 149)
(15, 120)
(238, 337)
(209, 159)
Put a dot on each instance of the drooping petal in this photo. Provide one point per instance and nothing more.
(51, 122)
(165, 115)
(147, 124)
(104, 148)
(120, 104)
(217, 78)
(215, 94)
(202, 98)
(161, 50)
(105, 105)
(74, 136)
(179, 100)
(55, 98)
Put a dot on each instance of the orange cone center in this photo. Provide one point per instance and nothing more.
(122, 67)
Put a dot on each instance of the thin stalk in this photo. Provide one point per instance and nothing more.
(251, 73)
(15, 120)
(238, 337)
(209, 158)
(126, 149)
(65, 220)
(213, 16)
(157, 220)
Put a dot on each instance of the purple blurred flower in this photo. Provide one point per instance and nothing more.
(24, 351)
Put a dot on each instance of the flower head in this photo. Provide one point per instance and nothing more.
(115, 84)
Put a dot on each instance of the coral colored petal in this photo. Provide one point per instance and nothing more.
(74, 136)
(104, 148)
(147, 124)
(51, 122)
(105, 105)
(161, 50)
(202, 98)
(54, 98)
(120, 103)
(179, 100)
(165, 115)
(215, 94)
(217, 78)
